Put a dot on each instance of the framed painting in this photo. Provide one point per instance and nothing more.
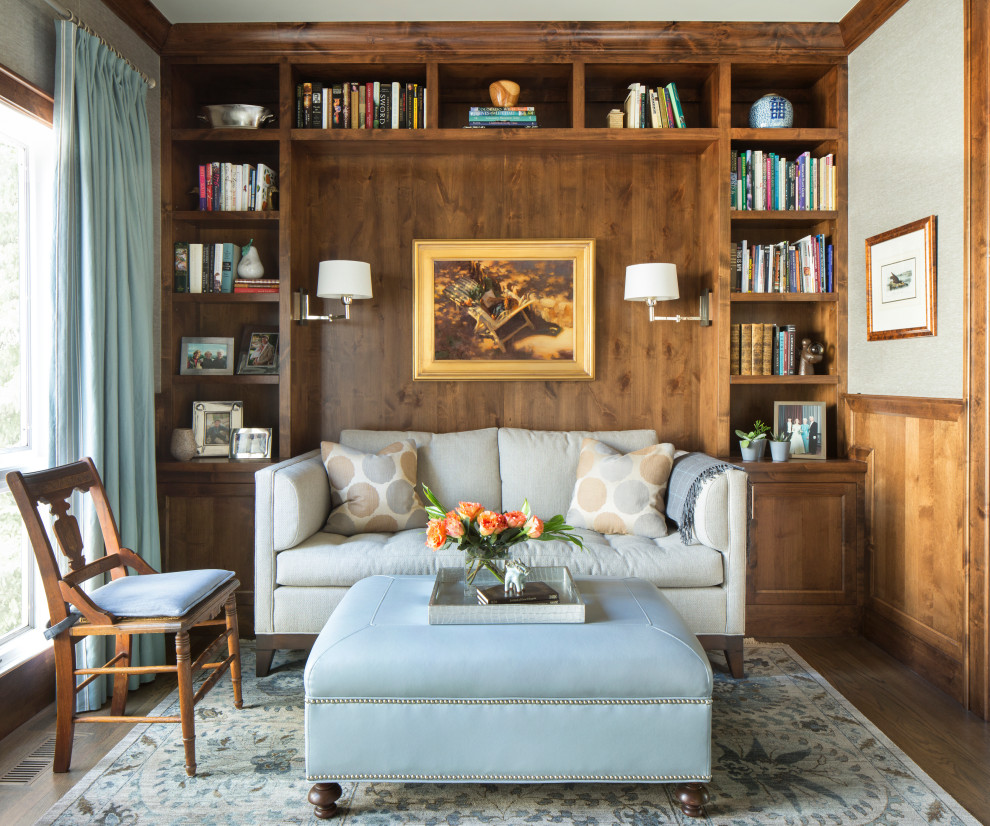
(804, 424)
(900, 282)
(504, 310)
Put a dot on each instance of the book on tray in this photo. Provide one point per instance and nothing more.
(535, 593)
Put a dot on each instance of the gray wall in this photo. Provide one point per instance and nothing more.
(27, 46)
(906, 161)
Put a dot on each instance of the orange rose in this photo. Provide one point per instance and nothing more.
(501, 523)
(488, 523)
(515, 519)
(469, 510)
(534, 527)
(436, 534)
(454, 527)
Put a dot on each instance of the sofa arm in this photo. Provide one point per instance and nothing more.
(735, 554)
(291, 503)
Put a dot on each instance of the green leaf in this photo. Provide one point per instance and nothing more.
(525, 509)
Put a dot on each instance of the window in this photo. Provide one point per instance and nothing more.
(26, 153)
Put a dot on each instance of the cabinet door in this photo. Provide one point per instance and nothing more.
(802, 544)
(211, 526)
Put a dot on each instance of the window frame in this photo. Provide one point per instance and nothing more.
(27, 100)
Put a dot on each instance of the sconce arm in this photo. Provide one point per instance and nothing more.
(301, 314)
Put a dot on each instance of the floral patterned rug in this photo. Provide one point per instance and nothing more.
(787, 749)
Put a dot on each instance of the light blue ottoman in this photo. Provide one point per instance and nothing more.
(623, 697)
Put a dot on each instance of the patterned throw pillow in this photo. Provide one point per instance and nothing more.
(372, 492)
(621, 492)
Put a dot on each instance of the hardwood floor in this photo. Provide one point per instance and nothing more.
(949, 743)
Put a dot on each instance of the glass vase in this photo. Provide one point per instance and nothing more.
(483, 568)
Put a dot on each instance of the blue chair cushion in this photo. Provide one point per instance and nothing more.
(158, 595)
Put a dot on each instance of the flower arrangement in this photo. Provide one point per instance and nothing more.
(485, 535)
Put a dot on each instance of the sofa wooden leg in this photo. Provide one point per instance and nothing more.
(324, 797)
(693, 797)
(734, 657)
(263, 661)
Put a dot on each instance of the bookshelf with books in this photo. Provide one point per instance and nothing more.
(785, 273)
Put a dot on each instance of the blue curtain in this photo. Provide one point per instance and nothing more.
(102, 394)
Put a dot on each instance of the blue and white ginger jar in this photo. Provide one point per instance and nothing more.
(772, 111)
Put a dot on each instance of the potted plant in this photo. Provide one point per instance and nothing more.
(780, 446)
(754, 443)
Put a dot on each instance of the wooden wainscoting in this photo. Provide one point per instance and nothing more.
(915, 450)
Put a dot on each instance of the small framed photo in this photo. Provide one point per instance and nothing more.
(804, 422)
(251, 443)
(900, 282)
(259, 353)
(213, 424)
(206, 356)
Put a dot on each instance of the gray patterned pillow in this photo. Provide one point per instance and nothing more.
(621, 492)
(372, 492)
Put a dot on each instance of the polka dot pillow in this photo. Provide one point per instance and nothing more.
(372, 492)
(621, 492)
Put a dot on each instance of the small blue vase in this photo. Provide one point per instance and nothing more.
(772, 111)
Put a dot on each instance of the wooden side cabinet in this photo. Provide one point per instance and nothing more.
(805, 563)
(206, 514)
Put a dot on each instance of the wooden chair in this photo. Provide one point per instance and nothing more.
(149, 603)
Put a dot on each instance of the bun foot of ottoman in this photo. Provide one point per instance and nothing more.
(324, 797)
(692, 797)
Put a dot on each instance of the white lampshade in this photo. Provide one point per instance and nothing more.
(646, 281)
(340, 278)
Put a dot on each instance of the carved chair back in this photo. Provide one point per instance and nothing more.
(54, 488)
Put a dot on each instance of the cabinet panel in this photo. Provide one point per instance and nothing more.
(211, 526)
(803, 544)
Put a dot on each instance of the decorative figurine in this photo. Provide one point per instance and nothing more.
(811, 353)
(250, 264)
(772, 111)
(515, 577)
(504, 93)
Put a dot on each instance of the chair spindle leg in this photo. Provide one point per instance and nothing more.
(234, 649)
(182, 661)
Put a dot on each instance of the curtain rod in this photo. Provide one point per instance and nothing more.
(72, 18)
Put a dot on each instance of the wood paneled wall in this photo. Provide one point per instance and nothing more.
(916, 516)
(638, 207)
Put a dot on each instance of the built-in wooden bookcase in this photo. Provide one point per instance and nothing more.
(818, 94)
(643, 194)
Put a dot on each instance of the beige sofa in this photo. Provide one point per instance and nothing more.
(302, 572)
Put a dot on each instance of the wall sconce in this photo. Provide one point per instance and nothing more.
(346, 280)
(658, 282)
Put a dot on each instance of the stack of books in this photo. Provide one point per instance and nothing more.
(805, 266)
(256, 285)
(763, 350)
(235, 187)
(654, 108)
(535, 593)
(205, 268)
(500, 117)
(766, 180)
(351, 105)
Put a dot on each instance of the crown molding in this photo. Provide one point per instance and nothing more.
(561, 39)
(144, 18)
(865, 18)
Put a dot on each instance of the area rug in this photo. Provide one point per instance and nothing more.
(787, 748)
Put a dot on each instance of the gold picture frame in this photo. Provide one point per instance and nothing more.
(901, 282)
(504, 310)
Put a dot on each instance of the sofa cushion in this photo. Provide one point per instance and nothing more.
(455, 466)
(372, 491)
(541, 465)
(331, 560)
(621, 492)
